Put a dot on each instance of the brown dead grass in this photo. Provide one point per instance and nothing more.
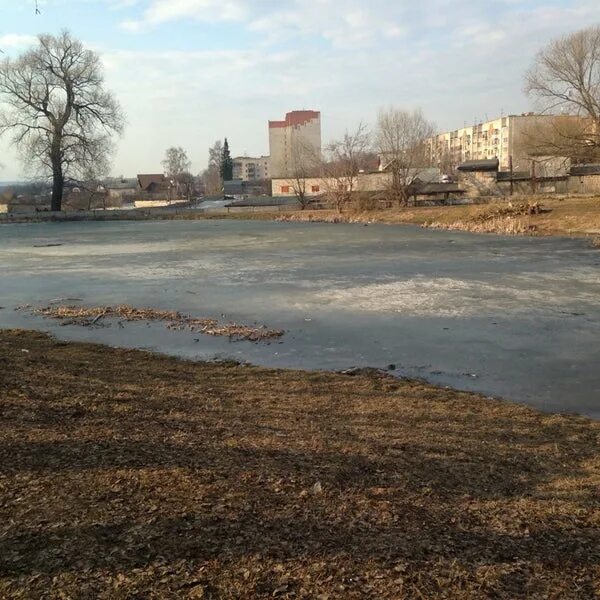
(569, 216)
(88, 316)
(125, 474)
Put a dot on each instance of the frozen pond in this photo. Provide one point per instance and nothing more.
(511, 317)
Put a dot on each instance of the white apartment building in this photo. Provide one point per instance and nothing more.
(248, 168)
(500, 138)
(298, 137)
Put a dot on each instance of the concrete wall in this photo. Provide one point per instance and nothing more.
(479, 184)
(134, 214)
(374, 182)
(524, 188)
(364, 182)
(314, 186)
(277, 150)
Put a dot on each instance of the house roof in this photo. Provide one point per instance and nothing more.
(426, 175)
(146, 179)
(121, 185)
(480, 165)
(233, 184)
(440, 188)
(592, 169)
(516, 175)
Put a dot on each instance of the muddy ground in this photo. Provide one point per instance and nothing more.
(125, 474)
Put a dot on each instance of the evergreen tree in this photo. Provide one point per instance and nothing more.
(226, 163)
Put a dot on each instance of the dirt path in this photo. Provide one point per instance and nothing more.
(125, 474)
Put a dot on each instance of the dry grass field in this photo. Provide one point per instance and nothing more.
(125, 474)
(577, 216)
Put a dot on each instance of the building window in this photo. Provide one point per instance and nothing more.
(285, 189)
(316, 188)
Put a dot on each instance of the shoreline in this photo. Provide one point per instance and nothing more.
(398, 373)
(559, 217)
(129, 472)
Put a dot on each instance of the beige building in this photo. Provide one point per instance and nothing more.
(313, 186)
(500, 138)
(297, 138)
(363, 182)
(248, 168)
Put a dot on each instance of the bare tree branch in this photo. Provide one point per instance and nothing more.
(343, 161)
(402, 142)
(565, 76)
(175, 164)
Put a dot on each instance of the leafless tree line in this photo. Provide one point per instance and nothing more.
(56, 109)
(399, 140)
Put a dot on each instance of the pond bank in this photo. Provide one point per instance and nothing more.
(574, 216)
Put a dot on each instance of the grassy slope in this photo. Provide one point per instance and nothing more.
(573, 216)
(125, 474)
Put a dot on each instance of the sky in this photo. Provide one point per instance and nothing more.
(189, 72)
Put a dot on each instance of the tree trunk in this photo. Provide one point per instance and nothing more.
(58, 182)
(58, 178)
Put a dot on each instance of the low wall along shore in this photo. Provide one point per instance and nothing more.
(142, 214)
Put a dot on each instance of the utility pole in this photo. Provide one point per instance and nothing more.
(510, 166)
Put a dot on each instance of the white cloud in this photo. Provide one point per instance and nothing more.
(457, 59)
(16, 41)
(350, 24)
(163, 11)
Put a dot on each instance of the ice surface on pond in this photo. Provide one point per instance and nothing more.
(514, 317)
(446, 297)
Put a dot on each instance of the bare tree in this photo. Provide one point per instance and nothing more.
(402, 142)
(60, 116)
(93, 187)
(304, 165)
(213, 182)
(342, 163)
(187, 182)
(90, 182)
(175, 164)
(553, 143)
(565, 77)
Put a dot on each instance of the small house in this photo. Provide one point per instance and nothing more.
(153, 183)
